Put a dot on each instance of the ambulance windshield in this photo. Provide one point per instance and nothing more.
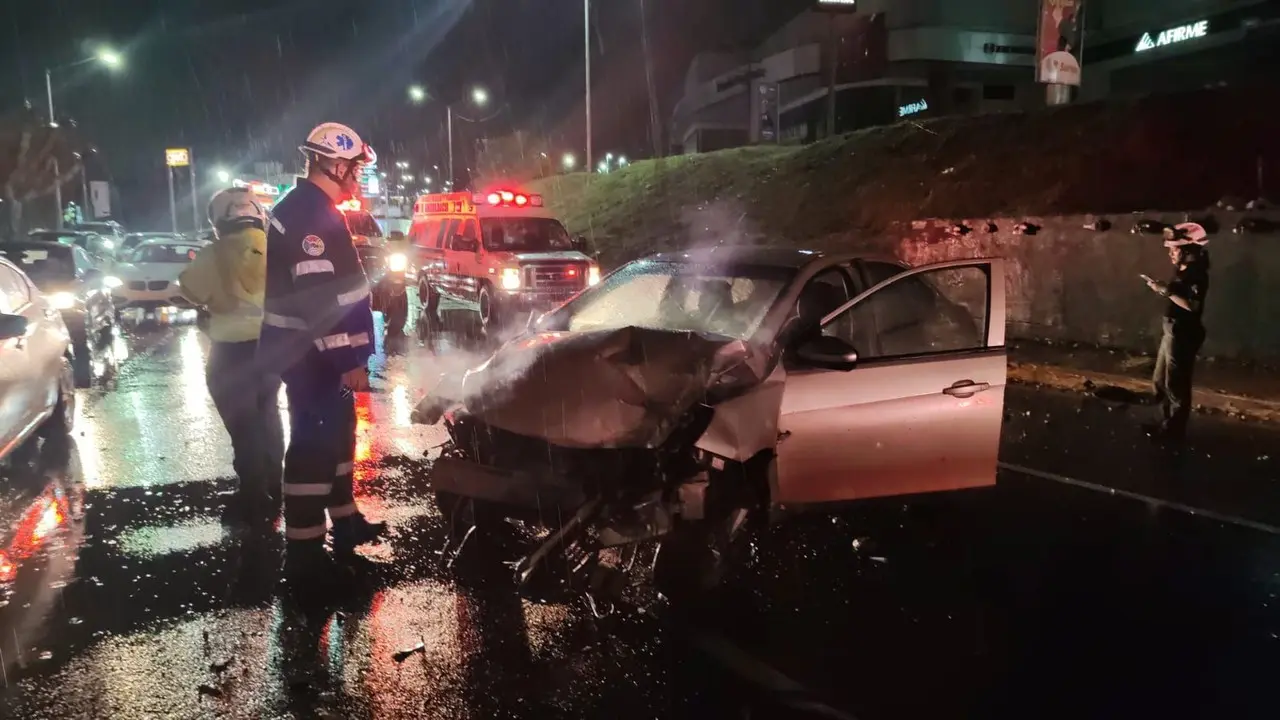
(525, 235)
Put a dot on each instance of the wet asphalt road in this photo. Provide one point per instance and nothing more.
(1100, 578)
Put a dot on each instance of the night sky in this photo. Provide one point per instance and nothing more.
(241, 82)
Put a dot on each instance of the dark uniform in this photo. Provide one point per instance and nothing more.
(1183, 336)
(317, 325)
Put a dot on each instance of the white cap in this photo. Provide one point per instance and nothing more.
(1187, 233)
(235, 206)
(338, 142)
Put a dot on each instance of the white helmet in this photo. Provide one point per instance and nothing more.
(338, 142)
(234, 208)
(1187, 233)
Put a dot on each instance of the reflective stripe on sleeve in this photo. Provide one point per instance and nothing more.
(333, 342)
(307, 489)
(342, 511)
(311, 267)
(358, 339)
(345, 468)
(311, 532)
(277, 225)
(353, 297)
(282, 321)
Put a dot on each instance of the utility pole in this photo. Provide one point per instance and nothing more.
(173, 201)
(449, 124)
(586, 50)
(195, 207)
(831, 75)
(57, 173)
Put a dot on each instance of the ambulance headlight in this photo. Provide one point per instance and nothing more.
(593, 275)
(62, 300)
(397, 262)
(511, 278)
(111, 282)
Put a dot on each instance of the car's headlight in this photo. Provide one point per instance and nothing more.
(108, 245)
(397, 262)
(112, 282)
(510, 278)
(593, 275)
(62, 300)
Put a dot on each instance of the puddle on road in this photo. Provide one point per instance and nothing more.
(157, 540)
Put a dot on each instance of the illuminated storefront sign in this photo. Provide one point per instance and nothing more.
(912, 108)
(840, 5)
(1173, 36)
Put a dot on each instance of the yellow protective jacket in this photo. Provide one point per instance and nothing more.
(229, 278)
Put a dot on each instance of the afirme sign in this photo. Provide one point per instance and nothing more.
(912, 108)
(1173, 36)
(177, 157)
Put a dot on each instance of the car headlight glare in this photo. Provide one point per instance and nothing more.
(593, 275)
(397, 262)
(510, 278)
(112, 282)
(62, 300)
(108, 245)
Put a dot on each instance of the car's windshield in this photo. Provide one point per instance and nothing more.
(42, 264)
(133, 239)
(525, 235)
(362, 223)
(164, 254)
(724, 300)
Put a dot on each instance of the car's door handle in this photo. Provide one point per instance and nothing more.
(965, 388)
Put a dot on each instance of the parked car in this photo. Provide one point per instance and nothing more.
(148, 275)
(688, 396)
(37, 387)
(79, 290)
(101, 249)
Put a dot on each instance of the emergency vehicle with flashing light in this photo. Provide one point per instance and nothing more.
(383, 265)
(499, 254)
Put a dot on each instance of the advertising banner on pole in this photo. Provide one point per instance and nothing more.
(100, 198)
(1059, 39)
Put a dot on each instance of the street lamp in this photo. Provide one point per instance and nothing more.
(417, 94)
(402, 164)
(107, 57)
(569, 161)
(407, 178)
(480, 97)
(222, 175)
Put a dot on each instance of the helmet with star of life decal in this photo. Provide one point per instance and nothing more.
(337, 142)
(235, 208)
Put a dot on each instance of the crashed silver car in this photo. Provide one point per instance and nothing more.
(689, 394)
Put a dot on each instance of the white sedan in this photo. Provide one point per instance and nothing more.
(146, 279)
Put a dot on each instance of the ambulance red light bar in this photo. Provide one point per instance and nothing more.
(507, 198)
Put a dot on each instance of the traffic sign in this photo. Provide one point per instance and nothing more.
(177, 157)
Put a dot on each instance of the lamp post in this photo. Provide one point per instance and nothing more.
(107, 57)
(480, 97)
(586, 53)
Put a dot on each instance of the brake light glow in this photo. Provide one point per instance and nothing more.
(508, 198)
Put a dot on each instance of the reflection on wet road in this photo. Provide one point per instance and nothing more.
(126, 596)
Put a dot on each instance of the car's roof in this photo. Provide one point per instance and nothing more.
(47, 231)
(35, 245)
(749, 255)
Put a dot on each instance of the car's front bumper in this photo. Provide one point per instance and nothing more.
(149, 299)
(517, 488)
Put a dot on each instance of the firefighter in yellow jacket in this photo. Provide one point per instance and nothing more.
(228, 280)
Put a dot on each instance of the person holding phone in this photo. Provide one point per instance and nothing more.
(1183, 329)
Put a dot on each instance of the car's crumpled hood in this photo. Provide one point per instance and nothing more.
(603, 389)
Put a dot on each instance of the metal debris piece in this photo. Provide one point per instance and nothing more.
(222, 665)
(402, 655)
(207, 689)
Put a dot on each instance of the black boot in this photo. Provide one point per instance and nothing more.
(308, 566)
(354, 530)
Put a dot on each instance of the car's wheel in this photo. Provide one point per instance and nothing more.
(62, 421)
(84, 353)
(491, 319)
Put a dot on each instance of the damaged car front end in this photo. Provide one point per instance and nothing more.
(646, 414)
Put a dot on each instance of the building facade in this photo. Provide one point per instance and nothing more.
(897, 60)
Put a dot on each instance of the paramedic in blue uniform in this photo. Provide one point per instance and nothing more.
(317, 332)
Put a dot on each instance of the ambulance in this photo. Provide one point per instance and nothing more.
(498, 255)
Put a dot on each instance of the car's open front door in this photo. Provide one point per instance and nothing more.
(920, 410)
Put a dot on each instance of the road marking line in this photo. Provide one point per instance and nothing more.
(1148, 499)
(766, 676)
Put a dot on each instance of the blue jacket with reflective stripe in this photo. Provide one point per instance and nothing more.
(317, 295)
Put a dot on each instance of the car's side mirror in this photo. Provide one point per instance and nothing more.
(12, 326)
(582, 244)
(827, 352)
